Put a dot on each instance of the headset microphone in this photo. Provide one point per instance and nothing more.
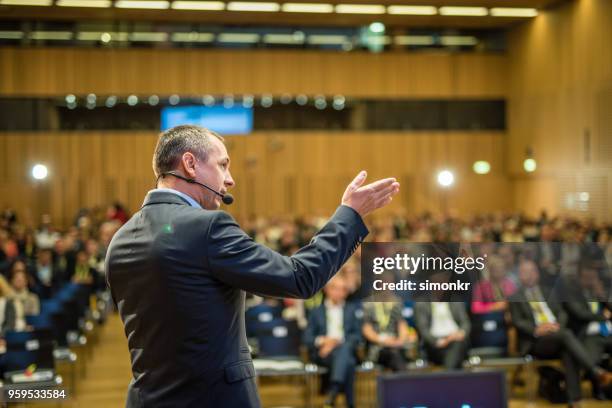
(226, 198)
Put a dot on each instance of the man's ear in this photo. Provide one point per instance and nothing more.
(188, 161)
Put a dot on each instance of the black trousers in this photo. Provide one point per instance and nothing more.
(392, 358)
(573, 355)
(596, 346)
(451, 356)
(341, 363)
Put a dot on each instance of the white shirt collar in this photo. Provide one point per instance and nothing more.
(190, 200)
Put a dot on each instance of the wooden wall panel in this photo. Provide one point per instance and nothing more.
(59, 71)
(276, 173)
(560, 65)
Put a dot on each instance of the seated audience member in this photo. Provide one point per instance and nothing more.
(541, 326)
(387, 333)
(44, 274)
(444, 327)
(8, 313)
(332, 336)
(589, 316)
(490, 295)
(83, 274)
(28, 301)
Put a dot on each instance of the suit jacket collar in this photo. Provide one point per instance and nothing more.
(163, 197)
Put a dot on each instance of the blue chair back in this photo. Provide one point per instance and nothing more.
(489, 330)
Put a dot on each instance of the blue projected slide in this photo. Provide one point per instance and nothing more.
(236, 120)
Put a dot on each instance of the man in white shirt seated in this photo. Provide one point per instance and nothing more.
(445, 328)
(332, 336)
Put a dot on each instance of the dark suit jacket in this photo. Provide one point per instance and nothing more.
(422, 316)
(523, 320)
(579, 310)
(317, 326)
(178, 275)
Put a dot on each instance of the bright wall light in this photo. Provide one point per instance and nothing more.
(360, 9)
(530, 165)
(26, 2)
(413, 10)
(84, 3)
(136, 4)
(40, 171)
(481, 167)
(513, 12)
(308, 8)
(198, 5)
(252, 6)
(446, 178)
(463, 11)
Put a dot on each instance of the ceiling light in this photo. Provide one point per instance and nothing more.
(51, 35)
(238, 37)
(463, 11)
(413, 10)
(446, 178)
(148, 36)
(111, 101)
(40, 172)
(382, 40)
(307, 8)
(320, 39)
(458, 40)
(530, 165)
(198, 5)
(137, 4)
(377, 27)
(252, 6)
(282, 39)
(414, 40)
(513, 12)
(192, 37)
(481, 167)
(25, 2)
(360, 9)
(11, 35)
(83, 3)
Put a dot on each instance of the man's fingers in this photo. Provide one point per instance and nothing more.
(391, 189)
(380, 184)
(358, 181)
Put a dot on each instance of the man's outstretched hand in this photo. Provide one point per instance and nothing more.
(365, 199)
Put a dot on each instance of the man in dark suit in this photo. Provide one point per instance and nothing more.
(445, 328)
(541, 326)
(589, 315)
(178, 270)
(332, 336)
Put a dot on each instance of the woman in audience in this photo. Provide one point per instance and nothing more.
(8, 312)
(29, 301)
(490, 295)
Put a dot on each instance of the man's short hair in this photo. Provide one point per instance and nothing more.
(174, 142)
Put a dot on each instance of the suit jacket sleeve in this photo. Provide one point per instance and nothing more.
(352, 335)
(312, 330)
(523, 323)
(422, 319)
(462, 317)
(235, 259)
